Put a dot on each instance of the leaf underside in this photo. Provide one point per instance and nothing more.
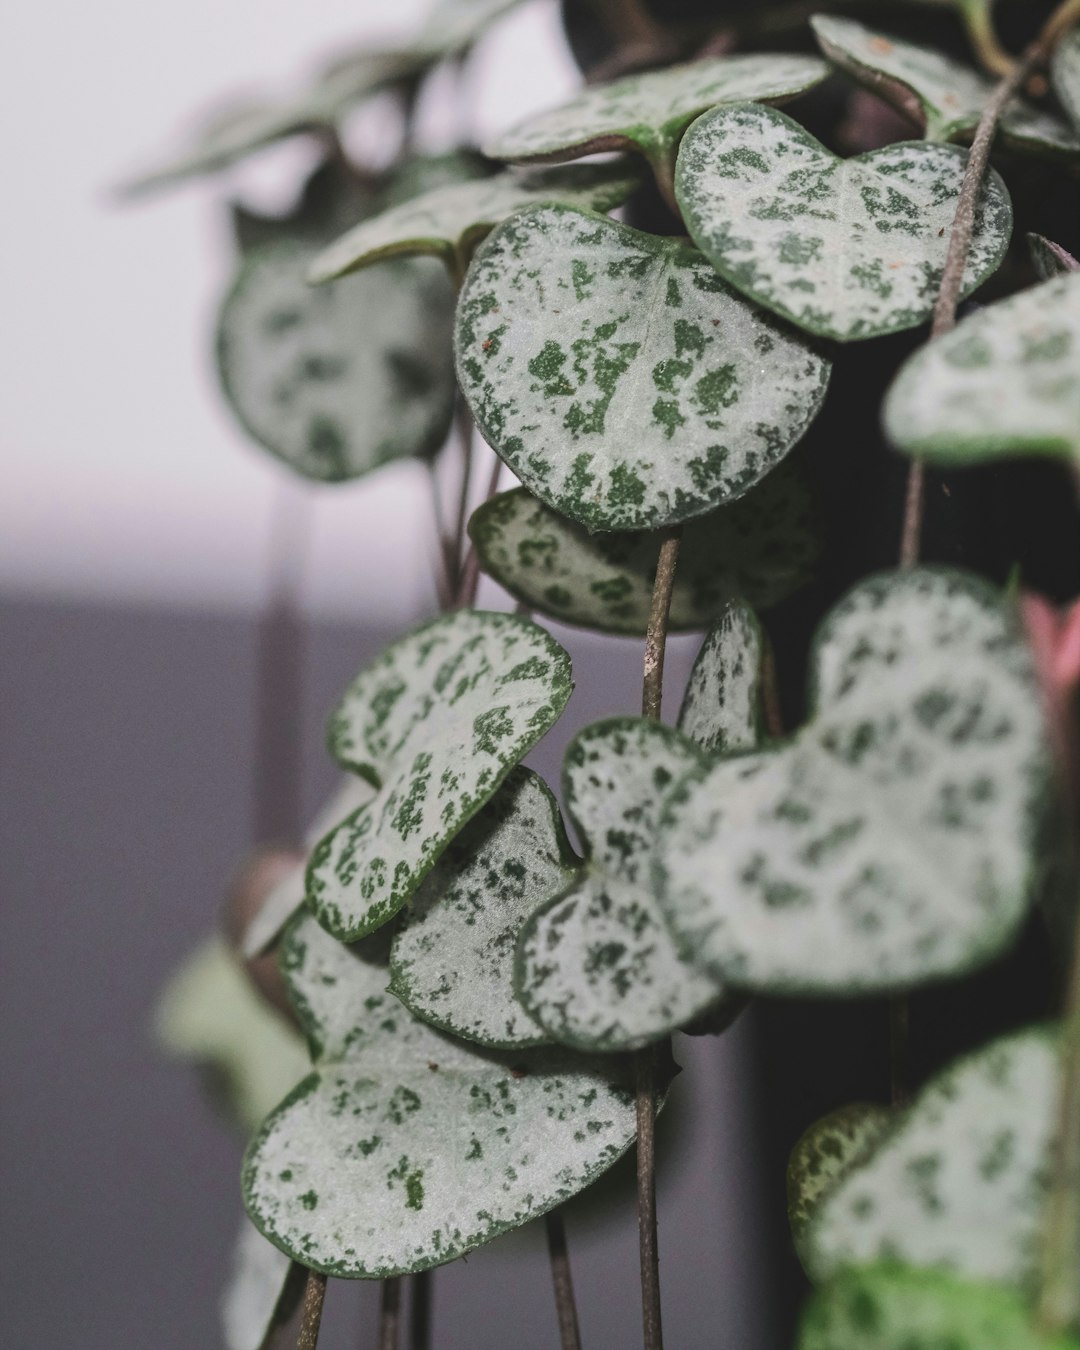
(1049, 259)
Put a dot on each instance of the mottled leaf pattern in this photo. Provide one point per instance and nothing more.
(624, 383)
(847, 248)
(263, 1290)
(1049, 259)
(336, 381)
(1065, 73)
(943, 97)
(960, 1180)
(721, 709)
(825, 1153)
(892, 840)
(1005, 381)
(452, 963)
(405, 1148)
(891, 1307)
(762, 547)
(649, 112)
(596, 966)
(436, 723)
(449, 221)
(209, 1013)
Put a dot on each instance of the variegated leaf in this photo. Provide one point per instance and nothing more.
(436, 723)
(264, 1289)
(596, 965)
(1065, 74)
(1005, 381)
(943, 97)
(452, 963)
(892, 1307)
(448, 222)
(624, 383)
(892, 840)
(1049, 259)
(649, 112)
(846, 248)
(960, 1180)
(338, 381)
(209, 1013)
(405, 1148)
(762, 546)
(721, 709)
(824, 1154)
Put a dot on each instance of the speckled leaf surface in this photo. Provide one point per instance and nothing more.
(846, 248)
(620, 378)
(649, 112)
(337, 381)
(824, 1154)
(1005, 381)
(597, 967)
(893, 839)
(891, 1307)
(764, 546)
(288, 895)
(959, 1181)
(721, 708)
(1049, 259)
(452, 963)
(449, 221)
(436, 723)
(943, 97)
(263, 1290)
(405, 1148)
(209, 1013)
(1065, 74)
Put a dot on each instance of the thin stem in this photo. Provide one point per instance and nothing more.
(311, 1317)
(648, 1243)
(991, 54)
(652, 684)
(470, 568)
(1059, 1292)
(465, 437)
(446, 565)
(389, 1313)
(420, 1309)
(562, 1281)
(770, 695)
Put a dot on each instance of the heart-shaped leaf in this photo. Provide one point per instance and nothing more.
(1005, 381)
(1065, 73)
(452, 963)
(891, 1307)
(825, 1153)
(891, 841)
(648, 113)
(721, 709)
(209, 1013)
(318, 381)
(617, 375)
(436, 723)
(960, 1179)
(943, 97)
(596, 966)
(762, 547)
(264, 1289)
(848, 248)
(405, 1148)
(448, 222)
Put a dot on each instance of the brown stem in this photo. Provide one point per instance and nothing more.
(770, 695)
(470, 568)
(311, 1317)
(465, 437)
(648, 1244)
(389, 1313)
(652, 684)
(420, 1310)
(562, 1281)
(446, 564)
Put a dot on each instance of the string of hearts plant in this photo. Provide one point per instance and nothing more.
(462, 1022)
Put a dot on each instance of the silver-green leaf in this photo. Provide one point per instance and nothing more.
(435, 723)
(452, 962)
(1005, 381)
(624, 383)
(405, 1148)
(448, 222)
(1049, 259)
(762, 547)
(846, 248)
(893, 839)
(943, 97)
(721, 709)
(960, 1180)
